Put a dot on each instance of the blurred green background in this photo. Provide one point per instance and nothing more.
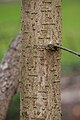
(10, 22)
(70, 33)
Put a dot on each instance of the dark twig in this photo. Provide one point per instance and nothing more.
(54, 47)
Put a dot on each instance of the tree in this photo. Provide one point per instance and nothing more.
(40, 68)
(9, 76)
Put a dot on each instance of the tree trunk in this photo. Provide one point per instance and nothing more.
(40, 68)
(9, 76)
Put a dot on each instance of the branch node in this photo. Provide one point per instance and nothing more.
(55, 47)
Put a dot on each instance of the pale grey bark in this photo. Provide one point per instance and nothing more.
(9, 76)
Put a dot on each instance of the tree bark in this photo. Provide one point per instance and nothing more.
(9, 76)
(40, 68)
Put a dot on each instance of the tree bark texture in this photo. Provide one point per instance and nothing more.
(40, 68)
(9, 76)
